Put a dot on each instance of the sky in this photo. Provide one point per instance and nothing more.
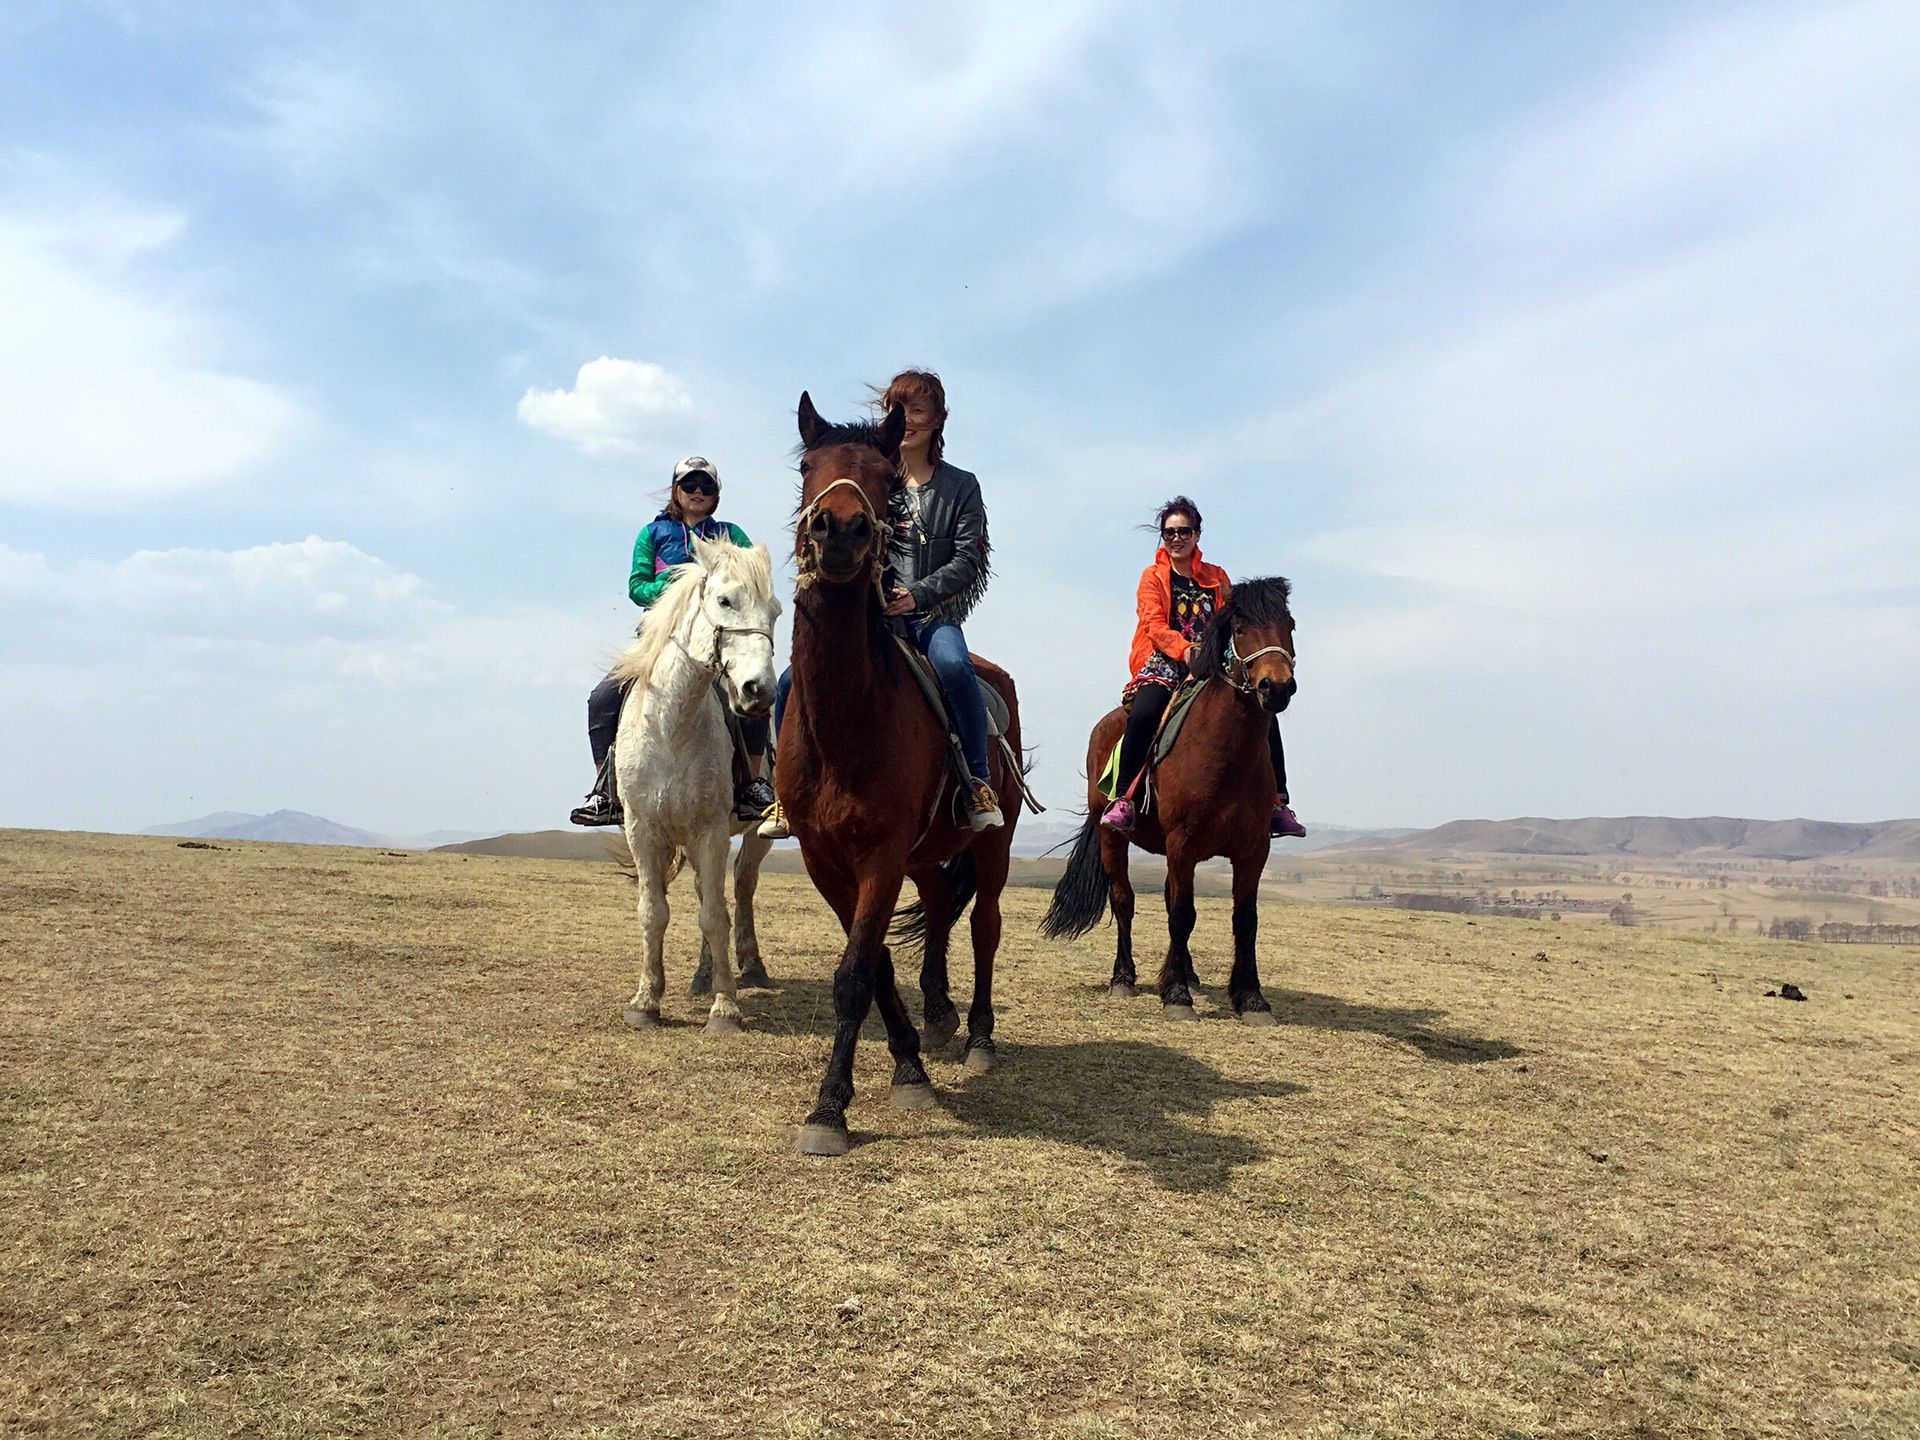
(1564, 357)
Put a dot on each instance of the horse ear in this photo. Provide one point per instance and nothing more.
(892, 431)
(811, 425)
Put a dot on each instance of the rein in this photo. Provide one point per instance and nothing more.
(809, 562)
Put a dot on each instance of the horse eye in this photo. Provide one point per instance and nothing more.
(725, 604)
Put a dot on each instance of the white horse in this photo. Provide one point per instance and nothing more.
(673, 758)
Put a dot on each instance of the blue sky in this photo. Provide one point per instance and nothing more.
(1563, 356)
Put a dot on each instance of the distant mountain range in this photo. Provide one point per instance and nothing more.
(1036, 836)
(296, 827)
(1652, 836)
(1710, 837)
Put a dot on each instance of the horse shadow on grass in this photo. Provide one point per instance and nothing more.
(1144, 1102)
(1409, 1026)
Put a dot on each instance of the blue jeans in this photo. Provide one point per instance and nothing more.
(943, 644)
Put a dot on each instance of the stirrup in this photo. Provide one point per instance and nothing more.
(773, 823)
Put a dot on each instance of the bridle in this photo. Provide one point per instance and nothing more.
(698, 609)
(809, 561)
(1237, 671)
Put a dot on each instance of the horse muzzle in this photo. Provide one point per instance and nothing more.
(1273, 697)
(754, 695)
(841, 552)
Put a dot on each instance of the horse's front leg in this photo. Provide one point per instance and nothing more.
(708, 856)
(1174, 994)
(750, 968)
(1113, 858)
(1243, 986)
(650, 875)
(825, 1130)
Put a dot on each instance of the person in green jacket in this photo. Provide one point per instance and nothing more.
(667, 541)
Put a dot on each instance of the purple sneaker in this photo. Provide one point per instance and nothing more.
(1285, 822)
(1119, 817)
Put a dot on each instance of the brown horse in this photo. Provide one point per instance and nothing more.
(865, 782)
(1213, 797)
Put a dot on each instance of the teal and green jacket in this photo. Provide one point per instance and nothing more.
(665, 543)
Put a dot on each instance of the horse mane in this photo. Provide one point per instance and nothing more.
(1257, 602)
(751, 565)
(846, 432)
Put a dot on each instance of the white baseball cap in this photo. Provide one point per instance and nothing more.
(696, 465)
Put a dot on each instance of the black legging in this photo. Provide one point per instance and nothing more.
(1143, 722)
(603, 722)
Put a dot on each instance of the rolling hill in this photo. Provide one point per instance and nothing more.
(1658, 836)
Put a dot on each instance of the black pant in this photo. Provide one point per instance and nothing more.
(603, 722)
(1143, 722)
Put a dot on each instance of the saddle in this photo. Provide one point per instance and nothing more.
(1163, 742)
(999, 720)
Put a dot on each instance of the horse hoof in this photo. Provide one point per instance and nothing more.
(1180, 1012)
(1119, 991)
(723, 1025)
(913, 1097)
(828, 1140)
(755, 977)
(980, 1062)
(936, 1033)
(1259, 1019)
(643, 1019)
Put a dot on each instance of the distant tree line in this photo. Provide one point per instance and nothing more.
(1843, 932)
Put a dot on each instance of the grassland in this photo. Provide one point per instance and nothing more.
(300, 1142)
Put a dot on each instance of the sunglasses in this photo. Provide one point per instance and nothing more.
(1179, 532)
(699, 485)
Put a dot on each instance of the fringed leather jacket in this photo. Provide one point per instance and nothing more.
(939, 553)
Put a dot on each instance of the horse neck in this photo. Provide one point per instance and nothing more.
(835, 638)
(1241, 720)
(677, 685)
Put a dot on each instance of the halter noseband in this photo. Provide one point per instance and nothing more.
(809, 563)
(698, 610)
(1237, 671)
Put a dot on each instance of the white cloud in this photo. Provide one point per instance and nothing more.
(289, 610)
(310, 115)
(1103, 130)
(114, 387)
(613, 407)
(282, 593)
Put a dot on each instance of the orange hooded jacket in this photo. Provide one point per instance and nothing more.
(1154, 603)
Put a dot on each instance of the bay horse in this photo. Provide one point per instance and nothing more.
(864, 779)
(673, 760)
(1213, 797)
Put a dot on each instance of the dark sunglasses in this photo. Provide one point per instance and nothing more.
(1179, 532)
(699, 485)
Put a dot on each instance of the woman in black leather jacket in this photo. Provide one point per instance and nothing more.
(937, 572)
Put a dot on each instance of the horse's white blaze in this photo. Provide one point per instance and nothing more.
(673, 757)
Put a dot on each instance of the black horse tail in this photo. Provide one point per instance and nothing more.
(1080, 898)
(909, 929)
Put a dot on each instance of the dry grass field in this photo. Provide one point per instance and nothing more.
(304, 1142)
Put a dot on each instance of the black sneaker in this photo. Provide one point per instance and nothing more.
(599, 810)
(750, 801)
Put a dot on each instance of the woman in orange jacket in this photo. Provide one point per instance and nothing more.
(1177, 596)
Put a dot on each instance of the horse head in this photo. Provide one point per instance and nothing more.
(1249, 643)
(846, 471)
(733, 621)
